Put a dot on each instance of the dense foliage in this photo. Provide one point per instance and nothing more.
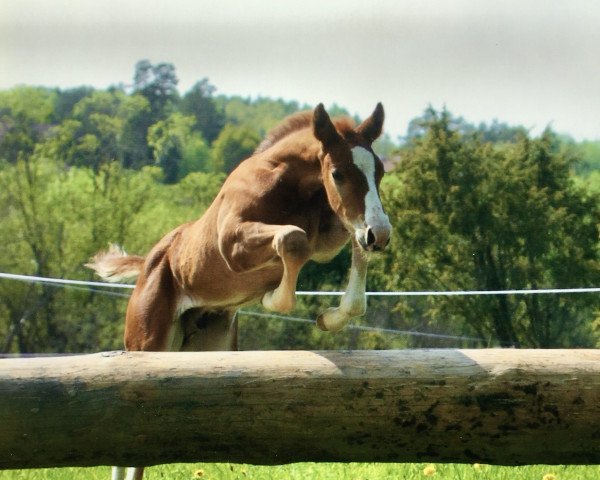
(473, 208)
(475, 215)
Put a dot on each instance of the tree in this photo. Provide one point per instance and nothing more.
(233, 145)
(496, 132)
(590, 155)
(101, 130)
(472, 216)
(260, 114)
(36, 104)
(178, 150)
(158, 84)
(25, 116)
(199, 102)
(67, 99)
(60, 218)
(135, 151)
(31, 218)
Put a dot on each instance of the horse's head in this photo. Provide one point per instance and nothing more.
(351, 174)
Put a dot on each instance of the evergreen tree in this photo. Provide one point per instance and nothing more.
(158, 84)
(199, 103)
(472, 216)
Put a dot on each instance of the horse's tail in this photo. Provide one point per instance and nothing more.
(114, 265)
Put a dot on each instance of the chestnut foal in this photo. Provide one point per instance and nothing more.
(311, 185)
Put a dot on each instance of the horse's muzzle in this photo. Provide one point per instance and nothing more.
(374, 239)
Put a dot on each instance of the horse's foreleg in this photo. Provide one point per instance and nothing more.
(250, 246)
(354, 300)
(291, 245)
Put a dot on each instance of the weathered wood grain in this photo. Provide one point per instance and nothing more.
(499, 406)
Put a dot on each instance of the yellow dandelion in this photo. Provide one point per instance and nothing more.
(429, 471)
(199, 473)
(549, 476)
(478, 467)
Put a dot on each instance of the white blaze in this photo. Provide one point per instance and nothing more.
(374, 214)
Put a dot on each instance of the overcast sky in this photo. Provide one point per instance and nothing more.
(528, 62)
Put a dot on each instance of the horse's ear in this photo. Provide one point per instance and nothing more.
(371, 128)
(323, 127)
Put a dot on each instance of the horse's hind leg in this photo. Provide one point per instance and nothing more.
(208, 331)
(118, 473)
(132, 473)
(150, 324)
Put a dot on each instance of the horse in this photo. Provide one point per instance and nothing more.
(311, 186)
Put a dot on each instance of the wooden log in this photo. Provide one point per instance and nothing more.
(492, 406)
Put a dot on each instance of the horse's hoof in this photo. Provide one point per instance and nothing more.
(321, 323)
(332, 320)
(274, 304)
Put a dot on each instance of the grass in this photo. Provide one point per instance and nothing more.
(324, 471)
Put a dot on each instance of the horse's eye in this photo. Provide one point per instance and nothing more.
(338, 176)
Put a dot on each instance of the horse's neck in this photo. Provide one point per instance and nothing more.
(303, 168)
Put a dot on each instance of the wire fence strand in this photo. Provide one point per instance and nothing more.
(433, 293)
(100, 287)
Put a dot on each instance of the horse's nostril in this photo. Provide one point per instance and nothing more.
(370, 237)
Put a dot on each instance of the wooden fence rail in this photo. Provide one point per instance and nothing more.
(492, 406)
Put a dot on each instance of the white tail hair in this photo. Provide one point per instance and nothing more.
(114, 265)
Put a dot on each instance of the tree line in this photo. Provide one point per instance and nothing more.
(486, 207)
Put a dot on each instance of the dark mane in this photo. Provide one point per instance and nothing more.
(299, 121)
(293, 123)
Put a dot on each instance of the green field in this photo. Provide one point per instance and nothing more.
(324, 471)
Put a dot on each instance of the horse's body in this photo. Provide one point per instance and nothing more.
(310, 187)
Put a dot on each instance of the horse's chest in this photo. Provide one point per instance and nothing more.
(227, 289)
(329, 241)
